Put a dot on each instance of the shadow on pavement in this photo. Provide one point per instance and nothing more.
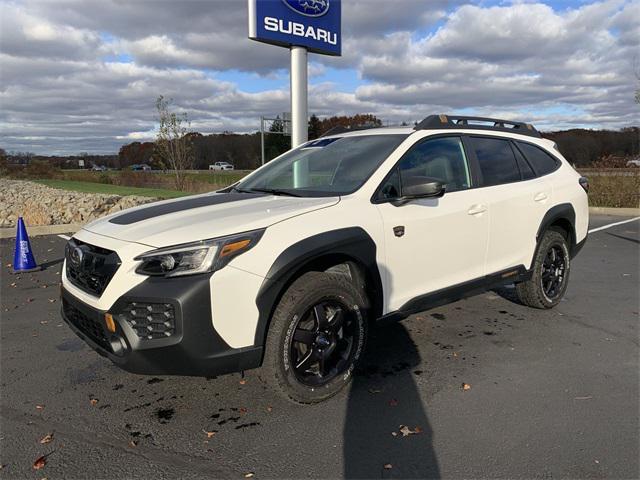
(622, 237)
(51, 263)
(384, 397)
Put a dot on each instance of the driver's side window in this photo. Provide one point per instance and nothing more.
(441, 158)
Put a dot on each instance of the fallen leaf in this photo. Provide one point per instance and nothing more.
(465, 387)
(133, 443)
(393, 402)
(52, 300)
(248, 475)
(406, 431)
(40, 462)
(589, 397)
(93, 401)
(395, 434)
(47, 438)
(387, 466)
(242, 381)
(243, 410)
(209, 434)
(13, 284)
(39, 407)
(269, 408)
(44, 322)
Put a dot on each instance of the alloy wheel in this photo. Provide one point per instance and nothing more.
(554, 268)
(323, 343)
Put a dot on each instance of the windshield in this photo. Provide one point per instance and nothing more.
(324, 167)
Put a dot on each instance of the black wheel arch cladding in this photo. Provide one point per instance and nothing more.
(566, 216)
(351, 244)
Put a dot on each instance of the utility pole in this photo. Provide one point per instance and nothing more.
(262, 139)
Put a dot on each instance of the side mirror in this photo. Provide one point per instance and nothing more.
(421, 187)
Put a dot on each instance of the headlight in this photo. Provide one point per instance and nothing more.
(197, 257)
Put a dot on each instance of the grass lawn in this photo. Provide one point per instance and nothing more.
(93, 187)
(614, 191)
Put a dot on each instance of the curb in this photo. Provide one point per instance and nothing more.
(37, 230)
(618, 212)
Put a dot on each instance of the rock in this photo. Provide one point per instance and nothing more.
(42, 205)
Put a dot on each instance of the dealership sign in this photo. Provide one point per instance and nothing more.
(312, 24)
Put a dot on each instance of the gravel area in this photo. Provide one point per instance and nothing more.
(42, 205)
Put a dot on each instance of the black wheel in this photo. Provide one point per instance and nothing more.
(551, 267)
(316, 337)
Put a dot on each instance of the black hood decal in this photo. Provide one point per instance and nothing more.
(152, 211)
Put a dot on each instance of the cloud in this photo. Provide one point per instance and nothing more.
(84, 75)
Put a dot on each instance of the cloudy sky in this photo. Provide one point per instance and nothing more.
(83, 75)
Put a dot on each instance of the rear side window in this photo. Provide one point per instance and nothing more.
(525, 168)
(540, 160)
(496, 159)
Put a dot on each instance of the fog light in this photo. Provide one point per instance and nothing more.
(111, 325)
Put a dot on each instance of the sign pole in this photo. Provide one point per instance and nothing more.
(299, 114)
(298, 96)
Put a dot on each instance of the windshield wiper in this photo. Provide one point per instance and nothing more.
(273, 191)
(240, 190)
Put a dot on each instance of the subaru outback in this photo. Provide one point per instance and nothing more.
(289, 268)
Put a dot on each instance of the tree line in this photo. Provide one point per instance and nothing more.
(581, 147)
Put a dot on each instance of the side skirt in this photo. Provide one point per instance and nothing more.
(457, 292)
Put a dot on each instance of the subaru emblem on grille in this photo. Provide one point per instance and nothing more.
(76, 256)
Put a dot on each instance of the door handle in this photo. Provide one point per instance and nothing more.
(477, 209)
(540, 197)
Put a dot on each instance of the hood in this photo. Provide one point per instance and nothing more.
(200, 217)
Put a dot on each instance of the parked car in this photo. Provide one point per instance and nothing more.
(289, 268)
(99, 168)
(140, 167)
(221, 166)
(634, 163)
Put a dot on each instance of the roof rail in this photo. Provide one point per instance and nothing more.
(437, 122)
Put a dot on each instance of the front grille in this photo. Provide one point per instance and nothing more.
(150, 320)
(90, 268)
(91, 327)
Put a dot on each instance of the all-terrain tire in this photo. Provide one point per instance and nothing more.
(312, 289)
(536, 292)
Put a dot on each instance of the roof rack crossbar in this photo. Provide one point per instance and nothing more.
(436, 122)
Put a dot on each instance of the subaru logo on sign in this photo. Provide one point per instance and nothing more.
(312, 24)
(310, 8)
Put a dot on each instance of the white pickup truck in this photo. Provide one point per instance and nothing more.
(221, 166)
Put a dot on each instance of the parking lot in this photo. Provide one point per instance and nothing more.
(549, 393)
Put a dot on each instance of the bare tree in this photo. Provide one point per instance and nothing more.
(173, 144)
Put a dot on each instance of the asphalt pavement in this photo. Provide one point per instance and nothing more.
(550, 394)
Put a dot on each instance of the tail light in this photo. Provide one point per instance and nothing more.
(584, 183)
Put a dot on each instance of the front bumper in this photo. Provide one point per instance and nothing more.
(191, 347)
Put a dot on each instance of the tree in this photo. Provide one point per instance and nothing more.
(173, 143)
(315, 127)
(355, 121)
(275, 142)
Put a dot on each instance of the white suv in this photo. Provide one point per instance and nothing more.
(288, 268)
